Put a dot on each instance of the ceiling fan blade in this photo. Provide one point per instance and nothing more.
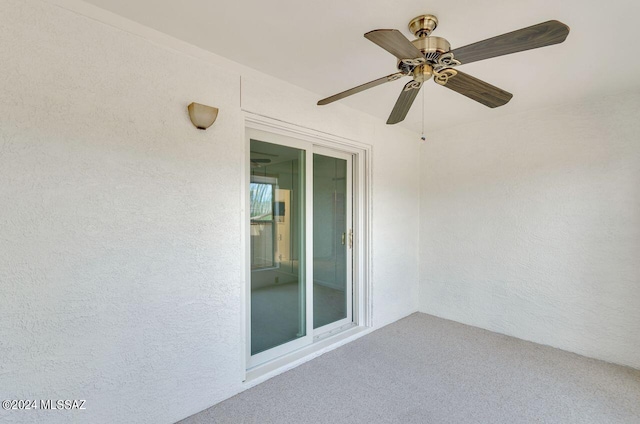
(395, 43)
(360, 88)
(476, 89)
(404, 102)
(533, 37)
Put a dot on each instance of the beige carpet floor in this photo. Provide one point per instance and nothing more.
(424, 369)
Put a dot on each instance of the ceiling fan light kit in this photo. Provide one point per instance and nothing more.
(428, 56)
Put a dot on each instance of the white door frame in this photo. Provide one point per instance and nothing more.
(310, 140)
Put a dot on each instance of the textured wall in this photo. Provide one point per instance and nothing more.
(530, 226)
(120, 277)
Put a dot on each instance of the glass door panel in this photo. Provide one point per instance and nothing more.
(277, 233)
(331, 238)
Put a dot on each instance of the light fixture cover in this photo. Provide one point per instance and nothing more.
(202, 116)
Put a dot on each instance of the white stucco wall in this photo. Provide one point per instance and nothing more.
(530, 226)
(120, 269)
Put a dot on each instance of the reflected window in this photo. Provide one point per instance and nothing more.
(261, 196)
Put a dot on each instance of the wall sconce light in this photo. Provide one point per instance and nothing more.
(202, 116)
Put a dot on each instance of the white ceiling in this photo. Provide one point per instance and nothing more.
(319, 45)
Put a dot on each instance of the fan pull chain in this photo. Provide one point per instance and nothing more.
(423, 138)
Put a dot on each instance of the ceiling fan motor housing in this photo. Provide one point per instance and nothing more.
(422, 26)
(432, 47)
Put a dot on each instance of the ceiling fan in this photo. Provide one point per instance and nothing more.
(258, 163)
(428, 56)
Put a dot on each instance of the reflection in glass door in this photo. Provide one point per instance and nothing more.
(277, 222)
(331, 240)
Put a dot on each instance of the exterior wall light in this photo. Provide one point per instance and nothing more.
(202, 116)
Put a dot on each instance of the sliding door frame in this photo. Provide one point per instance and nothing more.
(308, 140)
(307, 293)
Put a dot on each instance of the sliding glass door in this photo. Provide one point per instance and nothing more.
(300, 220)
(332, 239)
(277, 228)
